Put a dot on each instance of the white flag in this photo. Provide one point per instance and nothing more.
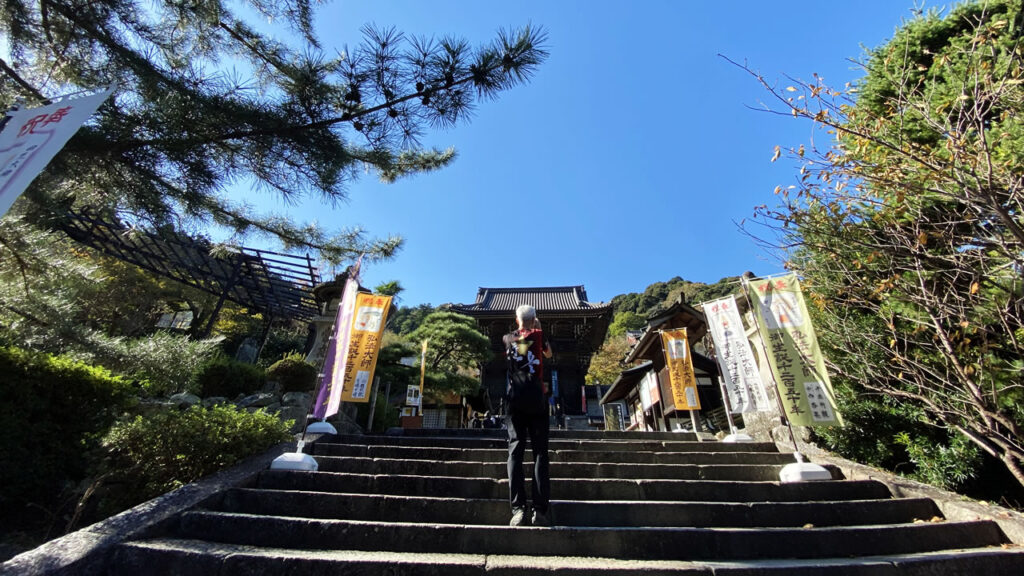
(32, 137)
(735, 359)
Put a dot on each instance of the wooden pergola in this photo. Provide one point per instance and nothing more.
(274, 284)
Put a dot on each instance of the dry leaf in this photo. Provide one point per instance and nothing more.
(937, 519)
(778, 152)
(808, 525)
(922, 239)
(974, 288)
(790, 89)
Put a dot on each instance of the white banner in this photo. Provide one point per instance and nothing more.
(735, 359)
(32, 137)
(645, 394)
(412, 395)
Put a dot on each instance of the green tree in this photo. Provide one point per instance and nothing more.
(455, 350)
(205, 99)
(907, 229)
(624, 321)
(606, 365)
(390, 288)
(406, 319)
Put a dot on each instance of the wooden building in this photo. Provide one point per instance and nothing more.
(575, 327)
(642, 394)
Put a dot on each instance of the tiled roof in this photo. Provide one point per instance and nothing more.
(546, 299)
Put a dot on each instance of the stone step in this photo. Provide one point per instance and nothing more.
(419, 509)
(501, 442)
(166, 557)
(554, 434)
(556, 455)
(578, 488)
(625, 543)
(757, 472)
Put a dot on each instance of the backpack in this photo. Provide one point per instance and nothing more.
(525, 390)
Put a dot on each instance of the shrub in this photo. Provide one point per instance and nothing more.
(946, 465)
(225, 377)
(150, 456)
(168, 363)
(293, 374)
(283, 340)
(53, 414)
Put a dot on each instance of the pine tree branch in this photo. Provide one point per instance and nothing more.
(295, 128)
(13, 75)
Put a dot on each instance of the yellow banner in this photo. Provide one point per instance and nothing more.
(367, 326)
(680, 369)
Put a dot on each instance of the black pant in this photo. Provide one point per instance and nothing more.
(521, 427)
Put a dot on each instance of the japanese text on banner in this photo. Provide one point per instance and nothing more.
(743, 382)
(680, 369)
(367, 327)
(793, 353)
(33, 136)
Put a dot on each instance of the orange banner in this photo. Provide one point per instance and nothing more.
(680, 369)
(368, 320)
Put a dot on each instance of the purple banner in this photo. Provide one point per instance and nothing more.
(328, 401)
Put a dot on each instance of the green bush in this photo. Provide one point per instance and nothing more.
(167, 363)
(947, 465)
(293, 374)
(895, 437)
(225, 377)
(53, 414)
(150, 456)
(283, 340)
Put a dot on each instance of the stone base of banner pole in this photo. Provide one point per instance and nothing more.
(801, 471)
(295, 460)
(738, 438)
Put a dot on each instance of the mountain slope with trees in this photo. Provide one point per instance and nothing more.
(631, 311)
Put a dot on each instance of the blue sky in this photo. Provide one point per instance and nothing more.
(627, 160)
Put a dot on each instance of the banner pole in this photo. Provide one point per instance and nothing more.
(764, 351)
(423, 368)
(693, 422)
(373, 403)
(728, 406)
(353, 273)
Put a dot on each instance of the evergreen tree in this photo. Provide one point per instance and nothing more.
(455, 351)
(205, 100)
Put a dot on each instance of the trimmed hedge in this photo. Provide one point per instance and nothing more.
(53, 414)
(293, 374)
(151, 456)
(225, 377)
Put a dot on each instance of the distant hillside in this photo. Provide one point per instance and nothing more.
(633, 309)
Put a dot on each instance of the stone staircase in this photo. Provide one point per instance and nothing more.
(435, 502)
